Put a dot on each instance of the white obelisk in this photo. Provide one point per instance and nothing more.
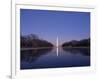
(57, 46)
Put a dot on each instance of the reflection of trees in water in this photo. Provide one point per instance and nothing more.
(32, 55)
(82, 51)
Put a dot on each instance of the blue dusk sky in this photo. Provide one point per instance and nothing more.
(49, 25)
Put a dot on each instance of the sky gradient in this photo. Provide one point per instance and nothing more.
(49, 24)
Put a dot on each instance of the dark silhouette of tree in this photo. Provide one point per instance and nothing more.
(32, 36)
(75, 43)
(33, 40)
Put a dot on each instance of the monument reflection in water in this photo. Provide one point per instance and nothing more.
(48, 58)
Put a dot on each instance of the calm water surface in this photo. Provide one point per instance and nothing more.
(48, 58)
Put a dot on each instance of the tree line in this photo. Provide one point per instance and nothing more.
(33, 40)
(75, 43)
